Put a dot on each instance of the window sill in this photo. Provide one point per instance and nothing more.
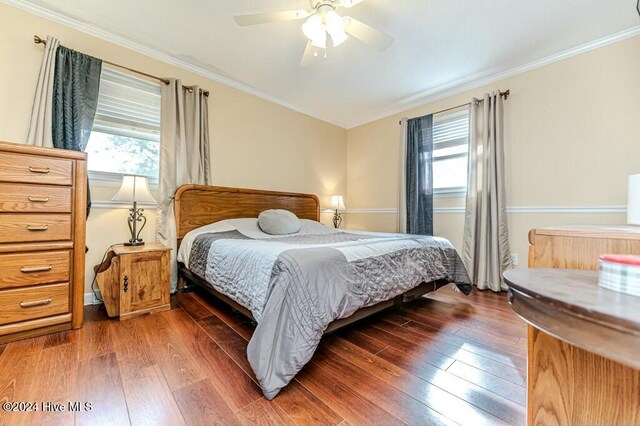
(110, 204)
(450, 193)
(113, 180)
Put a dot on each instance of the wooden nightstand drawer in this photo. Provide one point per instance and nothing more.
(17, 198)
(25, 168)
(15, 228)
(33, 302)
(25, 269)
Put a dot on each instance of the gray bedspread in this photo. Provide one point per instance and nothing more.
(314, 280)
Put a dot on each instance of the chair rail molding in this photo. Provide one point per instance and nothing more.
(511, 210)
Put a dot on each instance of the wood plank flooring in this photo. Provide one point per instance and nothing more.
(443, 359)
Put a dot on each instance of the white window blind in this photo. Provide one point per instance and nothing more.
(450, 150)
(128, 104)
(125, 138)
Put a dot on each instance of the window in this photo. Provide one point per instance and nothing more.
(450, 151)
(125, 138)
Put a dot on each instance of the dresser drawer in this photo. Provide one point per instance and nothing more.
(17, 198)
(24, 269)
(15, 228)
(33, 302)
(24, 168)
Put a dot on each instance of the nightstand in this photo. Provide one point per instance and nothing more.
(134, 280)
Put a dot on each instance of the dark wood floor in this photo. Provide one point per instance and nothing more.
(443, 359)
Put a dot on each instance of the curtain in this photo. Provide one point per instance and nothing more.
(419, 175)
(184, 156)
(40, 125)
(76, 84)
(486, 252)
(402, 180)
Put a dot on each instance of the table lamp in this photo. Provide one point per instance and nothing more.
(337, 203)
(135, 189)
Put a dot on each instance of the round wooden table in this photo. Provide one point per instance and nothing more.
(583, 348)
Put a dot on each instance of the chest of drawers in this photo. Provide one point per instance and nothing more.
(42, 240)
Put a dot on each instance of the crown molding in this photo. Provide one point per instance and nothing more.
(157, 54)
(473, 82)
(422, 98)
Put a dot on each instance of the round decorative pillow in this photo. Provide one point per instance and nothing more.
(278, 222)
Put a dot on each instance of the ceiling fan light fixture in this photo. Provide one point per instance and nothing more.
(321, 39)
(339, 38)
(313, 28)
(335, 27)
(333, 21)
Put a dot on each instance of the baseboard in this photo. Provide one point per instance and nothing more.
(90, 299)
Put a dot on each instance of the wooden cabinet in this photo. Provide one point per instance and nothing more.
(579, 246)
(578, 365)
(134, 280)
(42, 240)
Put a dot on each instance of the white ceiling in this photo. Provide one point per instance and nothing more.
(440, 45)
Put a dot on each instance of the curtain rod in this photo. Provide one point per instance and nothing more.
(504, 94)
(38, 40)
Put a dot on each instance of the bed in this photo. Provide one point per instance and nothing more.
(298, 287)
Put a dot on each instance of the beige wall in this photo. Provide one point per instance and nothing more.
(255, 143)
(572, 131)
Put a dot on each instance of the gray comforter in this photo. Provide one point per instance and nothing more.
(313, 280)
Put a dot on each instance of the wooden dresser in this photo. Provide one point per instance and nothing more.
(578, 246)
(42, 240)
(581, 367)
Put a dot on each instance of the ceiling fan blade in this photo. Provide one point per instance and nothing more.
(264, 18)
(308, 56)
(349, 3)
(367, 34)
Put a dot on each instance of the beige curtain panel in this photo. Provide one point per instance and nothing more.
(401, 225)
(486, 252)
(41, 113)
(184, 156)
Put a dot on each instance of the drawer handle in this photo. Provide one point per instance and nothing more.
(28, 269)
(38, 169)
(35, 303)
(37, 227)
(38, 199)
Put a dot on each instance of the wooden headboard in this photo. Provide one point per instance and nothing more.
(199, 205)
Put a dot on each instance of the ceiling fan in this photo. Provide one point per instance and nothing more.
(323, 20)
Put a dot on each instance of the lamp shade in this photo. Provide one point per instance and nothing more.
(134, 188)
(335, 27)
(337, 203)
(633, 200)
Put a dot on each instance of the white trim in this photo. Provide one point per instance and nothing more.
(157, 54)
(114, 180)
(468, 83)
(450, 193)
(440, 92)
(511, 210)
(567, 209)
(372, 211)
(90, 299)
(108, 204)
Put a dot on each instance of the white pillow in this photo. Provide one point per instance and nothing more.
(278, 222)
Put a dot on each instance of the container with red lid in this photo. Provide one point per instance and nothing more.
(620, 272)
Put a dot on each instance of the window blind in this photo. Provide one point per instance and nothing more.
(128, 106)
(450, 130)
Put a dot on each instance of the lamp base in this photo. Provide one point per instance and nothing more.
(136, 243)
